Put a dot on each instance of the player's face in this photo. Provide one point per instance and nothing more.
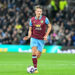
(38, 12)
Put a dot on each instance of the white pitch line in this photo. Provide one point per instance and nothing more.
(41, 64)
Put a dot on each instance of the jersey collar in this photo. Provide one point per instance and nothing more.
(39, 17)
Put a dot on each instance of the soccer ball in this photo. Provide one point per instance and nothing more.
(30, 69)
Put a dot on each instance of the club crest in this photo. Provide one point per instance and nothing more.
(42, 21)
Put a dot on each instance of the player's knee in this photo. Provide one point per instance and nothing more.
(34, 51)
(38, 55)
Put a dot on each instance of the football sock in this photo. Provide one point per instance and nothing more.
(34, 59)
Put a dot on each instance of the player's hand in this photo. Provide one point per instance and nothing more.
(45, 37)
(26, 38)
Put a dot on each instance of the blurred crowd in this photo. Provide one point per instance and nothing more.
(14, 22)
(63, 28)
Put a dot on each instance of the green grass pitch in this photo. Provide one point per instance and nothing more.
(48, 64)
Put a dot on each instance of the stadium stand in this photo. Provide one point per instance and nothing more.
(15, 15)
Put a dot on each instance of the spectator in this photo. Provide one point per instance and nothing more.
(15, 15)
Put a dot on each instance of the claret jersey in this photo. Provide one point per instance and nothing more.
(38, 26)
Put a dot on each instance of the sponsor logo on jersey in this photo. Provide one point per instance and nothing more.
(38, 25)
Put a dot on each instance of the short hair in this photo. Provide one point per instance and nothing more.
(38, 6)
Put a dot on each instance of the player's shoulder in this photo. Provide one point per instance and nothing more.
(44, 17)
(32, 18)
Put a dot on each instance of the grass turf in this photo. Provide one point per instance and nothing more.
(48, 64)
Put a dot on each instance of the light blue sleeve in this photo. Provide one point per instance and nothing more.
(30, 23)
(47, 21)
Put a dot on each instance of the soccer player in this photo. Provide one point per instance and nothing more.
(38, 34)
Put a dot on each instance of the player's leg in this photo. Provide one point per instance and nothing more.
(36, 45)
(40, 45)
(33, 43)
(34, 57)
(35, 52)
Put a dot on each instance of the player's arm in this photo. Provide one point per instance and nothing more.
(48, 30)
(29, 32)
